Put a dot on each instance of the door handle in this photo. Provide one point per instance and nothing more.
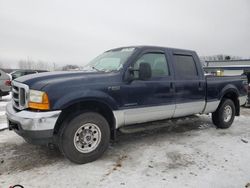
(200, 88)
(171, 87)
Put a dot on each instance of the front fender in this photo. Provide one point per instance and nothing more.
(81, 96)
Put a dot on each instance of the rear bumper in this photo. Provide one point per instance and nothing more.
(34, 127)
(243, 100)
(248, 98)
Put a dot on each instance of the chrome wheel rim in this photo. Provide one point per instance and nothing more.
(87, 138)
(227, 114)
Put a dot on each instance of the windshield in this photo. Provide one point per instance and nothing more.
(109, 61)
(16, 74)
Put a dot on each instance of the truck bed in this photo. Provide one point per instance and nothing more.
(216, 85)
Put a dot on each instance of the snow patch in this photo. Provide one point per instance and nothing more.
(3, 126)
(2, 113)
(188, 152)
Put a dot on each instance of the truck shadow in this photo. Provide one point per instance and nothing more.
(152, 138)
(21, 157)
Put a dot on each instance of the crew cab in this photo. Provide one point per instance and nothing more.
(81, 111)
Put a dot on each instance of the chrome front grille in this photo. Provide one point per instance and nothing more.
(19, 95)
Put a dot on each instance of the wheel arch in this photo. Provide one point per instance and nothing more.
(84, 105)
(231, 93)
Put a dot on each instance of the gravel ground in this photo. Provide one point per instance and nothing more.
(189, 152)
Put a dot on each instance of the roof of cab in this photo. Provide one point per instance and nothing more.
(149, 46)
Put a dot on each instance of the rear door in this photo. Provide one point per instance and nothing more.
(189, 83)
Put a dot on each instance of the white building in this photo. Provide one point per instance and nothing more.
(228, 67)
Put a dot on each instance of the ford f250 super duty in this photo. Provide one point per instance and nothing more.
(81, 111)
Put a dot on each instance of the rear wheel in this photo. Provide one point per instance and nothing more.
(224, 116)
(85, 138)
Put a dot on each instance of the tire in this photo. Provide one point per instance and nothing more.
(221, 117)
(85, 138)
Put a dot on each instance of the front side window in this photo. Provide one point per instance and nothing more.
(110, 61)
(157, 62)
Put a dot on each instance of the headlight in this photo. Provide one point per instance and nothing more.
(38, 100)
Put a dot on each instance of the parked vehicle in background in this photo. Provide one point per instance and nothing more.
(5, 83)
(81, 111)
(19, 73)
(248, 96)
(247, 104)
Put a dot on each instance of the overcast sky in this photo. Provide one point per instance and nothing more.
(76, 31)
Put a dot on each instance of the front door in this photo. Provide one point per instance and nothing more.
(153, 99)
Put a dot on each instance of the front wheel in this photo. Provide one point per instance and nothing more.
(85, 138)
(224, 116)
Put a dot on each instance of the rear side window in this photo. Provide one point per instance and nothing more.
(185, 67)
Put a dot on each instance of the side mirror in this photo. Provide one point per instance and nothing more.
(145, 71)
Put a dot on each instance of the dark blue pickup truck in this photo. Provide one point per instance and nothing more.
(81, 111)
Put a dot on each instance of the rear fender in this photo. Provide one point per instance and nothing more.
(227, 89)
(231, 92)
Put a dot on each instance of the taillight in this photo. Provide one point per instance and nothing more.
(248, 88)
(8, 82)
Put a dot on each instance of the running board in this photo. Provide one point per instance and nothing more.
(171, 124)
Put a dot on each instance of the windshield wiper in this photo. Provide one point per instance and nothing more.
(97, 69)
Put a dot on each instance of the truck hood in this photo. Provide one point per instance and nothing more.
(40, 80)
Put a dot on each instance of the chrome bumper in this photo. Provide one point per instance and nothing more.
(243, 100)
(32, 121)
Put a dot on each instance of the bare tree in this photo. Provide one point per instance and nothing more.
(41, 65)
(22, 64)
(30, 64)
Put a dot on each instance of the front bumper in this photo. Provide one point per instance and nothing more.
(34, 127)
